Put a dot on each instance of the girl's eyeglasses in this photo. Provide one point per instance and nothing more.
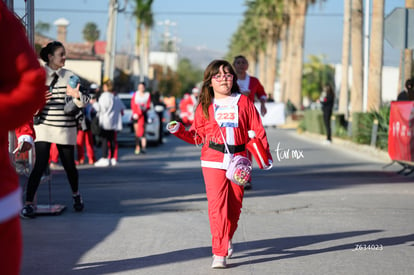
(220, 77)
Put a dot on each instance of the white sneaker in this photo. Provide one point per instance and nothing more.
(219, 262)
(114, 162)
(230, 250)
(102, 162)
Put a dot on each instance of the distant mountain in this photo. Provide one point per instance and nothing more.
(200, 57)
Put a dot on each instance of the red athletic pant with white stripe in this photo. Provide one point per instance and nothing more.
(224, 208)
(10, 246)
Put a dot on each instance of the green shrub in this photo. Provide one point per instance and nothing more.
(362, 127)
(339, 128)
(313, 120)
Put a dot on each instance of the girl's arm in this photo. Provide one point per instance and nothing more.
(255, 124)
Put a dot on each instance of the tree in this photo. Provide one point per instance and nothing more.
(177, 83)
(91, 32)
(316, 74)
(408, 53)
(245, 41)
(356, 46)
(343, 94)
(297, 14)
(145, 21)
(284, 41)
(376, 56)
(42, 27)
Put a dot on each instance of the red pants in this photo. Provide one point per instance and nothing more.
(10, 246)
(54, 153)
(224, 208)
(85, 138)
(140, 127)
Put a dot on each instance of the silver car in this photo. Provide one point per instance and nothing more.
(152, 127)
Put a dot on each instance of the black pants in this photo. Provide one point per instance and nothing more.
(327, 120)
(67, 157)
(108, 136)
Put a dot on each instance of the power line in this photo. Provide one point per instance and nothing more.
(185, 13)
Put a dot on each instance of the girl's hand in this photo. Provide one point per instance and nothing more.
(263, 109)
(73, 92)
(173, 126)
(48, 96)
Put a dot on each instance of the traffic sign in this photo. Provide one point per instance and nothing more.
(399, 28)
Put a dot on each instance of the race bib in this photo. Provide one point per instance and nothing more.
(227, 115)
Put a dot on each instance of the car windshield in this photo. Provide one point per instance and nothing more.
(127, 102)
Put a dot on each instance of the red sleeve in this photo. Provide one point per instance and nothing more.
(196, 134)
(257, 89)
(255, 124)
(22, 85)
(26, 129)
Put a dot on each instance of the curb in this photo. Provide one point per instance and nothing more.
(362, 148)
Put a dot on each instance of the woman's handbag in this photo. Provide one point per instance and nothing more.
(240, 168)
(70, 107)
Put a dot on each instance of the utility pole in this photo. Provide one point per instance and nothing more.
(111, 38)
(366, 57)
(166, 40)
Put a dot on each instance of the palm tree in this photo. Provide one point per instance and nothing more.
(145, 21)
(408, 53)
(91, 32)
(376, 56)
(343, 94)
(42, 27)
(356, 45)
(274, 22)
(284, 41)
(297, 14)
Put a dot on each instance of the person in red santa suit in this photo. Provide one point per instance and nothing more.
(140, 105)
(222, 112)
(187, 106)
(251, 87)
(22, 92)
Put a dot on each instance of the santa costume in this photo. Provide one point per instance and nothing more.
(236, 115)
(22, 93)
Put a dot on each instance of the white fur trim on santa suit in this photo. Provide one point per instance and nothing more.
(10, 205)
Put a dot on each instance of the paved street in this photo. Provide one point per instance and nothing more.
(322, 209)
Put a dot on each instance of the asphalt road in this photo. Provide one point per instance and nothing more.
(322, 209)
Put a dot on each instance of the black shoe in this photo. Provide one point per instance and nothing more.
(78, 203)
(248, 186)
(28, 212)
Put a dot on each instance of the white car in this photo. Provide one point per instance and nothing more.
(152, 127)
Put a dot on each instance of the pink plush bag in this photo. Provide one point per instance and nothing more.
(239, 170)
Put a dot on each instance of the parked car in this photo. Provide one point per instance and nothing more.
(152, 128)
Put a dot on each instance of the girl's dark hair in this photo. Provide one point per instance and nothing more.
(50, 48)
(207, 92)
(329, 90)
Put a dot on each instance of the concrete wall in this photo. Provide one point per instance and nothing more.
(91, 70)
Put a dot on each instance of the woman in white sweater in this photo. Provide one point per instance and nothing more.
(53, 125)
(109, 111)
